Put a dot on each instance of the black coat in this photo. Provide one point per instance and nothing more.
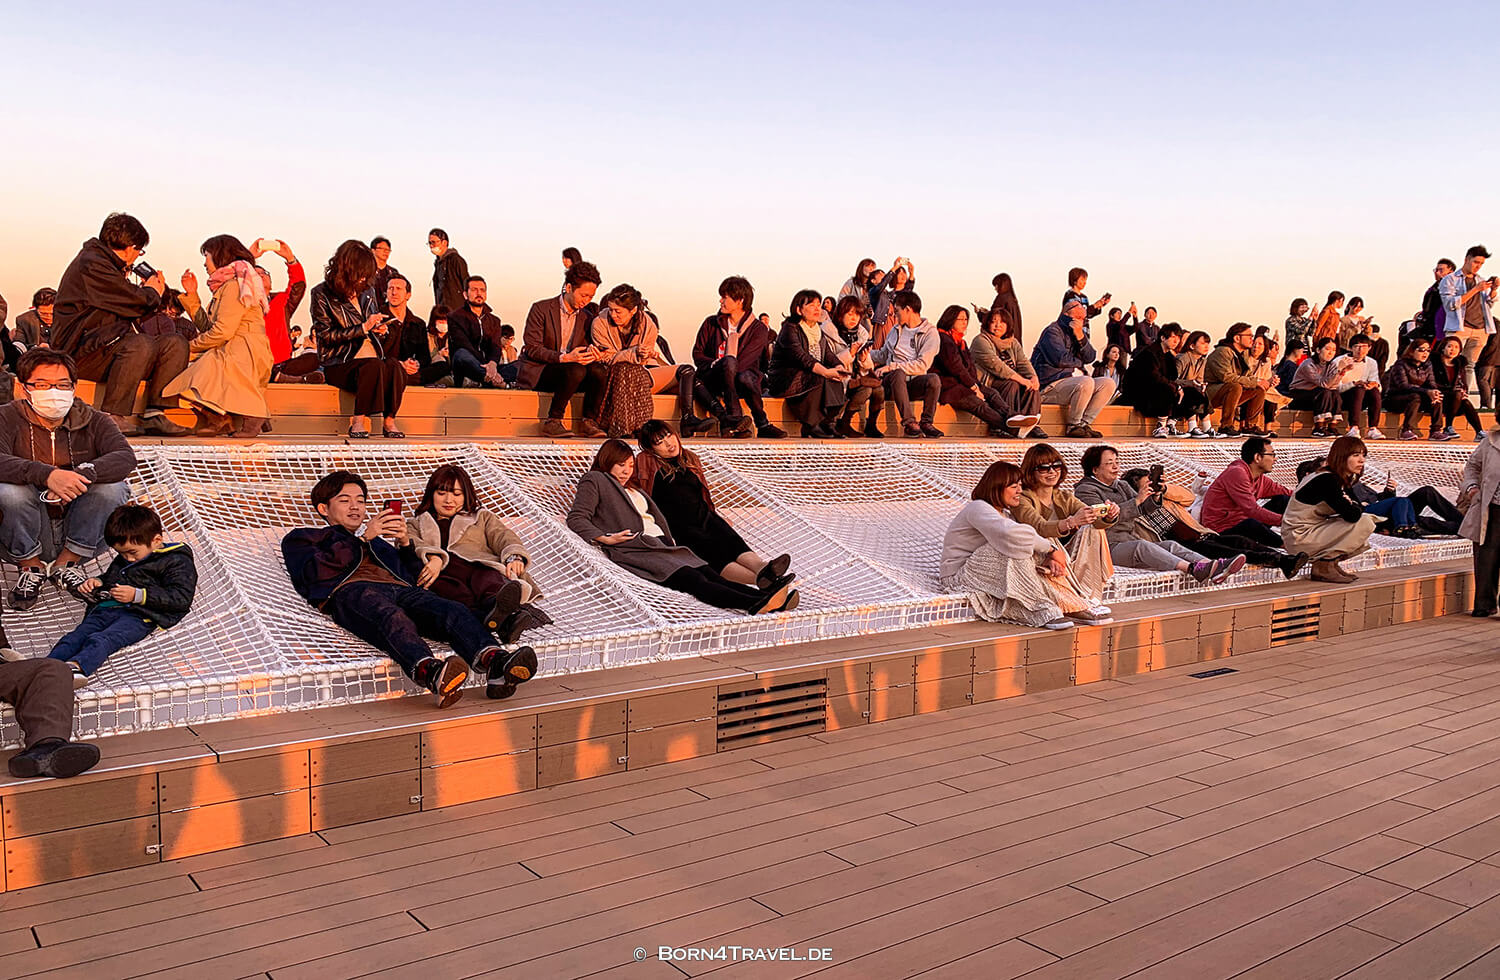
(169, 577)
(450, 280)
(96, 305)
(954, 366)
(339, 326)
(754, 350)
(479, 335)
(319, 559)
(1150, 382)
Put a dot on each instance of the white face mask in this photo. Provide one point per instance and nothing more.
(442, 329)
(51, 404)
(434, 250)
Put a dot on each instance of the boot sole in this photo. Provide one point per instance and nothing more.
(69, 760)
(506, 602)
(450, 682)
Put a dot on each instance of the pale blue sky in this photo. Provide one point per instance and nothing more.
(1213, 160)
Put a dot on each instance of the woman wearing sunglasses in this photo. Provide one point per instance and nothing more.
(1075, 526)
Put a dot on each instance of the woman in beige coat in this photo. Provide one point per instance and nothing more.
(1479, 499)
(470, 557)
(226, 382)
(1074, 525)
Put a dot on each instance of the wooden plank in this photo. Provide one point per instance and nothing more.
(235, 823)
(1049, 647)
(892, 672)
(849, 678)
(1048, 675)
(584, 722)
(848, 711)
(995, 685)
(580, 760)
(81, 851)
(1001, 653)
(765, 679)
(478, 740)
(892, 702)
(259, 776)
(478, 779)
(370, 798)
(371, 757)
(944, 693)
(671, 743)
(671, 709)
(68, 805)
(945, 662)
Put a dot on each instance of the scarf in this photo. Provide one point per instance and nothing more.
(252, 290)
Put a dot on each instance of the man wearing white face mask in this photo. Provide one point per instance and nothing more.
(58, 456)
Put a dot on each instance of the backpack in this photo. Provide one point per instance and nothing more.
(627, 400)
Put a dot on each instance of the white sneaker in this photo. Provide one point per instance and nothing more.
(1059, 624)
(1181, 433)
(1215, 433)
(1374, 434)
(1353, 431)
(1161, 432)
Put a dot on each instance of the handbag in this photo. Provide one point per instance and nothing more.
(627, 400)
(1161, 523)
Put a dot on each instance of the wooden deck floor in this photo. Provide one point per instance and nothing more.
(1326, 810)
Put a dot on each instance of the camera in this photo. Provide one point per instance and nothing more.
(142, 270)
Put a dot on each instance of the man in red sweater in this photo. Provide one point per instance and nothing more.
(1232, 504)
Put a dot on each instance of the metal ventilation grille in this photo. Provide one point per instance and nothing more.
(1295, 621)
(773, 712)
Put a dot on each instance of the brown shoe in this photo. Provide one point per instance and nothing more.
(126, 425)
(1329, 571)
(554, 429)
(591, 429)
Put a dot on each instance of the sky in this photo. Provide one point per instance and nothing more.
(1213, 160)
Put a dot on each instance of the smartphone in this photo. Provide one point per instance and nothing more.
(394, 506)
(270, 245)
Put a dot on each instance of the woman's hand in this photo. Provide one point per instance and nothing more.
(1467, 496)
(1113, 511)
(515, 567)
(619, 537)
(430, 571)
(373, 320)
(1057, 563)
(189, 281)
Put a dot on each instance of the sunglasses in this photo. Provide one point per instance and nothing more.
(1048, 467)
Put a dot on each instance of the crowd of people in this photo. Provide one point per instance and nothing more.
(1029, 547)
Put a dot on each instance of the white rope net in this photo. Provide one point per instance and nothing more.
(863, 521)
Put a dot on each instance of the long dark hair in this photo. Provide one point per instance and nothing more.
(1003, 285)
(224, 249)
(351, 269)
(447, 477)
(629, 297)
(862, 272)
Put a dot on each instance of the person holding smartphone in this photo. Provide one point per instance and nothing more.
(631, 530)
(1057, 514)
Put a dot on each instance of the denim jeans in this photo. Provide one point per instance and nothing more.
(466, 367)
(1398, 509)
(395, 618)
(22, 513)
(103, 631)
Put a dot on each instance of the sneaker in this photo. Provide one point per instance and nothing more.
(930, 431)
(1229, 430)
(1319, 432)
(1451, 432)
(1059, 624)
(70, 579)
(1022, 422)
(1188, 434)
(1217, 434)
(517, 668)
(1479, 436)
(27, 590)
(80, 679)
(1093, 616)
(1202, 570)
(54, 757)
(1225, 567)
(554, 429)
(1353, 431)
(1408, 435)
(770, 431)
(1374, 434)
(447, 684)
(911, 430)
(1161, 432)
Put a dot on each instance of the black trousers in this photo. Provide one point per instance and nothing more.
(900, 387)
(707, 585)
(1456, 405)
(378, 384)
(564, 379)
(1366, 399)
(1319, 401)
(134, 358)
(1449, 517)
(724, 379)
(1413, 403)
(1229, 545)
(1487, 564)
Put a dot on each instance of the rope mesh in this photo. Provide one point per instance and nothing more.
(864, 522)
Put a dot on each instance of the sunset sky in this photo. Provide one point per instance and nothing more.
(1212, 160)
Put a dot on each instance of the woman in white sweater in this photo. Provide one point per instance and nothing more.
(1011, 573)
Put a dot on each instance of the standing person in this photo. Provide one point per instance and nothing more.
(34, 327)
(1078, 281)
(731, 353)
(1300, 323)
(556, 356)
(901, 279)
(1147, 330)
(859, 283)
(1315, 387)
(1056, 514)
(380, 247)
(847, 335)
(570, 256)
(904, 363)
(1412, 391)
(644, 545)
(1429, 318)
(1120, 329)
(351, 332)
(1009, 306)
(227, 380)
(1448, 374)
(1324, 519)
(1000, 361)
(450, 273)
(473, 335)
(94, 323)
(1153, 389)
(805, 371)
(1359, 387)
(1479, 499)
(1233, 386)
(1330, 319)
(1466, 302)
(1232, 504)
(1009, 571)
(368, 585)
(1060, 357)
(1007, 413)
(673, 476)
(625, 332)
(1352, 323)
(58, 456)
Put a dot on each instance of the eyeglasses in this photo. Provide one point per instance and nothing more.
(47, 385)
(1049, 467)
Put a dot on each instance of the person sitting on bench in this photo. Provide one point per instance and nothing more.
(368, 586)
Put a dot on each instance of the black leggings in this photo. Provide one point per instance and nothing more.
(1456, 405)
(707, 585)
